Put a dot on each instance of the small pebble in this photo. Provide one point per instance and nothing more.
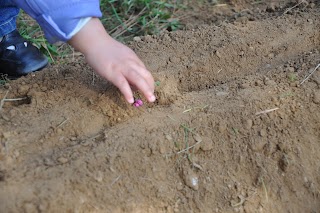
(44, 89)
(218, 54)
(191, 179)
(263, 133)
(62, 160)
(197, 138)
(179, 186)
(98, 176)
(147, 38)
(207, 144)
(248, 124)
(222, 126)
(169, 138)
(137, 38)
(174, 59)
(271, 55)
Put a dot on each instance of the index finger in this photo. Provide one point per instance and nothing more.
(141, 84)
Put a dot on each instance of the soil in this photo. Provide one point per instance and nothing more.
(235, 127)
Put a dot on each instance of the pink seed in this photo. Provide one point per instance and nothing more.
(136, 104)
(139, 101)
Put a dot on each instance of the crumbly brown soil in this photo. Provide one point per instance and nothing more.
(207, 145)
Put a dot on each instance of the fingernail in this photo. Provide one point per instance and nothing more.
(131, 100)
(152, 98)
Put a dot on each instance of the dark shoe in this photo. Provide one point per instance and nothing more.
(19, 57)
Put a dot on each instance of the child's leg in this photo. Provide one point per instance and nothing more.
(17, 56)
(8, 16)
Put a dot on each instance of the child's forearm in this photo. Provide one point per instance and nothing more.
(90, 37)
(113, 60)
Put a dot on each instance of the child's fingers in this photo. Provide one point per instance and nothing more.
(140, 82)
(142, 70)
(149, 78)
(121, 82)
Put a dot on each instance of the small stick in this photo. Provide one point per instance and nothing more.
(220, 5)
(115, 180)
(265, 189)
(5, 99)
(190, 147)
(267, 111)
(202, 108)
(242, 200)
(310, 74)
(14, 99)
(171, 118)
(287, 10)
(256, 2)
(187, 110)
(63, 122)
(197, 166)
(66, 78)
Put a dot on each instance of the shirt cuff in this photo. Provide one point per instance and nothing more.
(82, 22)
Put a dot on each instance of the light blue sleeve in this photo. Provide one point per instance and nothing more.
(59, 18)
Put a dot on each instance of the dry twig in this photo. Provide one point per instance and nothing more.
(310, 74)
(291, 8)
(267, 111)
(190, 147)
(5, 99)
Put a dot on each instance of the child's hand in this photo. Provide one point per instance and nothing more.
(113, 60)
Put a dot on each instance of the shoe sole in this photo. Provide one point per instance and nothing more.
(32, 68)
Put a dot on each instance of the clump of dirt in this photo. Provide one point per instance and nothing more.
(235, 127)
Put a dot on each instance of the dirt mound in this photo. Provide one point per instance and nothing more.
(234, 128)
